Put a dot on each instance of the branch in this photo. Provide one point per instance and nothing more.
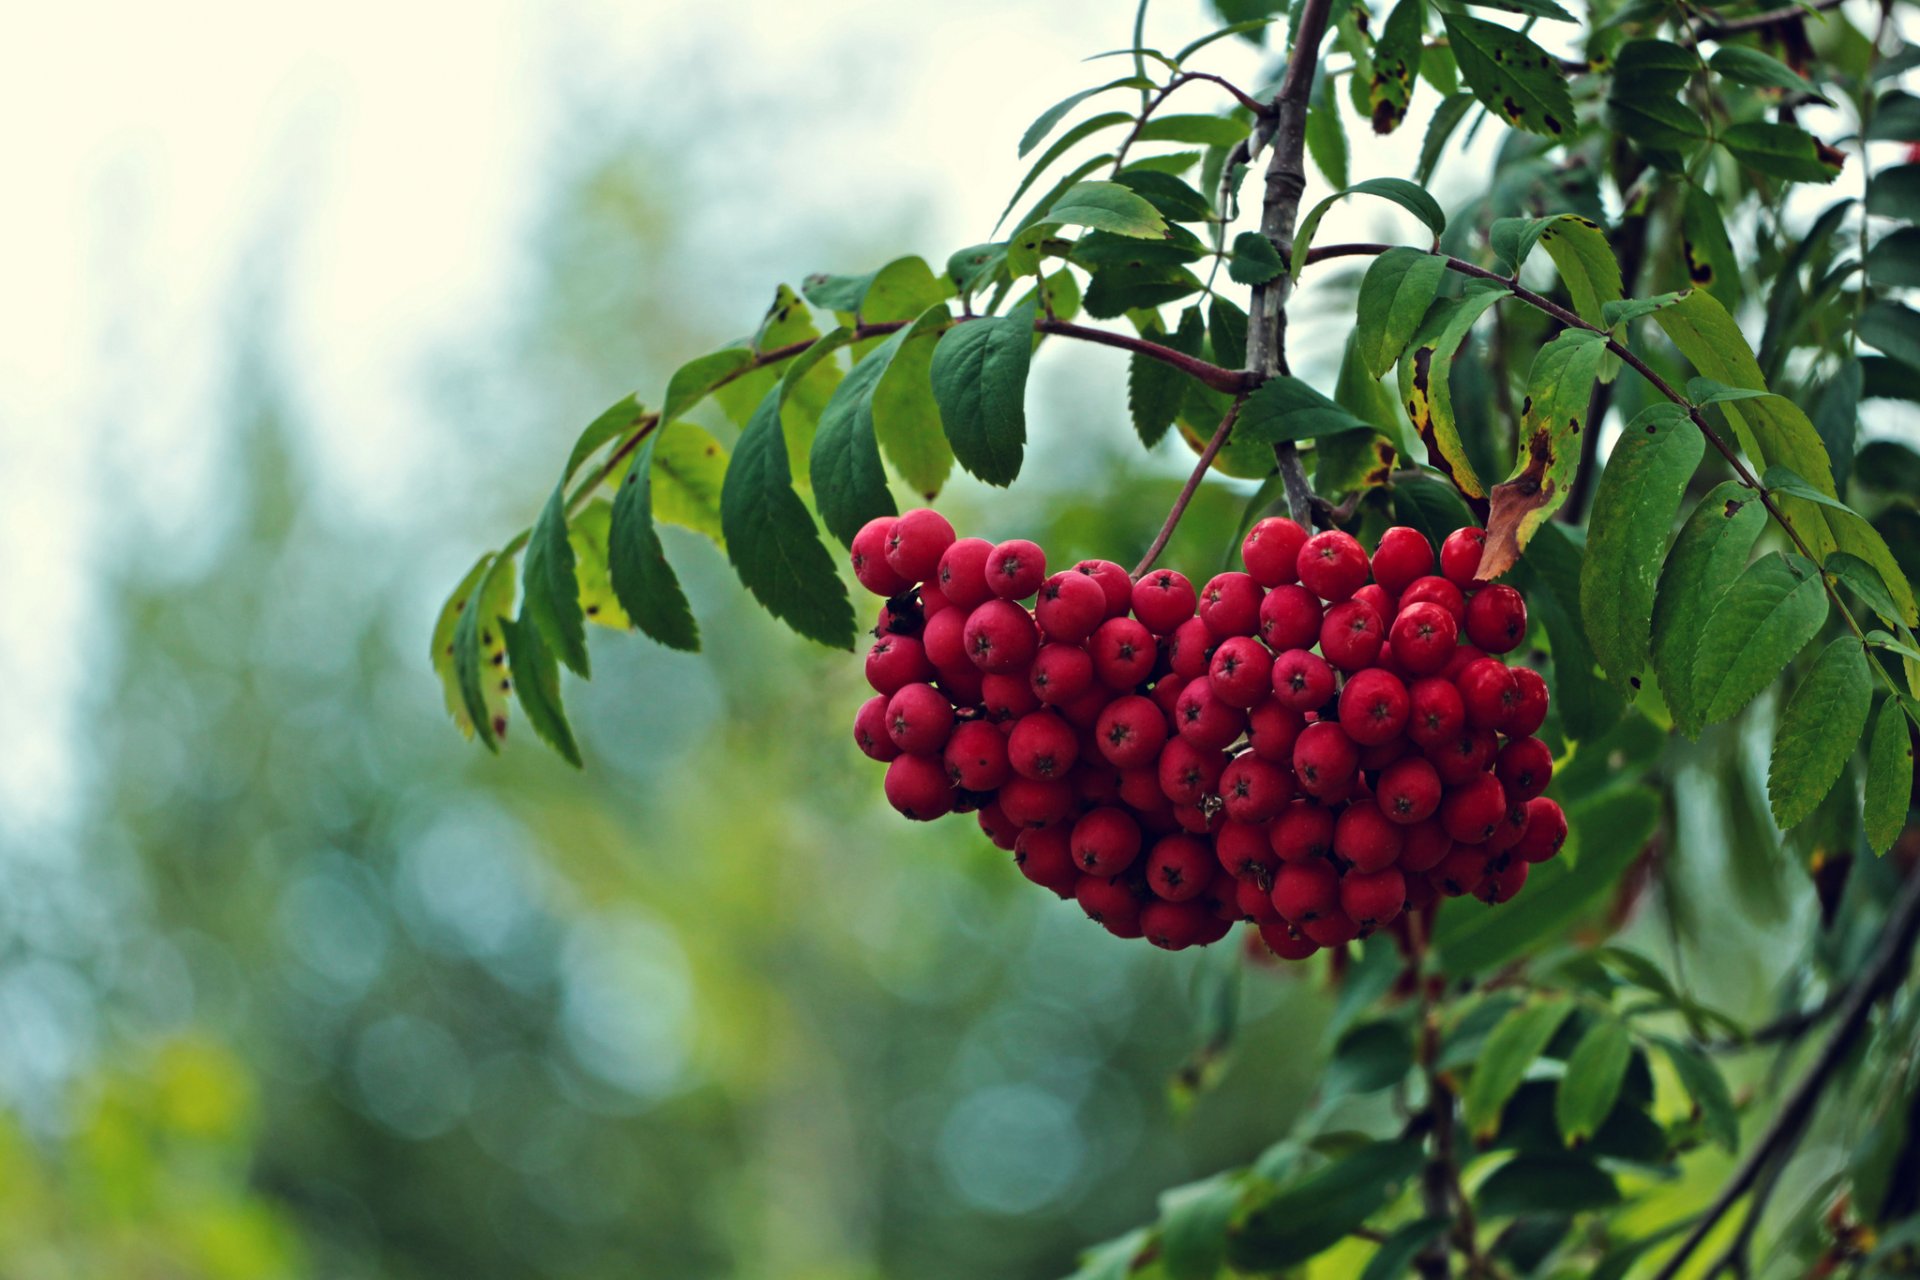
(1153, 104)
(1187, 490)
(1720, 30)
(1230, 381)
(1883, 973)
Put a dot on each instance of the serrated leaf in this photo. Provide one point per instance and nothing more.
(1515, 78)
(648, 588)
(1579, 249)
(689, 466)
(1744, 65)
(1394, 1259)
(1254, 260)
(441, 649)
(1545, 1186)
(1707, 557)
(1704, 1084)
(1061, 145)
(536, 682)
(698, 378)
(1559, 394)
(1107, 206)
(1313, 1212)
(1286, 408)
(1396, 64)
(1652, 68)
(1627, 310)
(1711, 262)
(975, 265)
(1426, 389)
(1894, 260)
(1894, 192)
(590, 535)
(979, 376)
(1766, 617)
(1864, 581)
(1432, 507)
(1374, 1055)
(622, 417)
(771, 539)
(1195, 130)
(1155, 388)
(1785, 481)
(1408, 195)
(1823, 722)
(1516, 1041)
(1896, 118)
(1549, 574)
(901, 291)
(1193, 1226)
(1172, 195)
(1645, 479)
(1395, 294)
(1043, 124)
(480, 651)
(906, 420)
(1889, 777)
(849, 482)
(1595, 1073)
(1327, 137)
(550, 591)
(1446, 118)
(1782, 150)
(1532, 8)
(1114, 291)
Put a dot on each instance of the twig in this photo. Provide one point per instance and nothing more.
(1187, 490)
(1152, 105)
(1720, 30)
(1883, 971)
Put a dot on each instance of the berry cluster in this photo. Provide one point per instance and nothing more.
(1178, 760)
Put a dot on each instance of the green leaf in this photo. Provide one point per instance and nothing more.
(1327, 136)
(1896, 118)
(689, 466)
(1701, 1079)
(550, 591)
(1550, 1185)
(1394, 1259)
(1374, 1055)
(698, 378)
(901, 290)
(979, 376)
(1781, 150)
(1061, 145)
(1426, 389)
(1432, 507)
(1559, 394)
(1652, 68)
(1643, 484)
(1823, 723)
(1195, 130)
(480, 650)
(589, 537)
(1515, 78)
(1172, 196)
(1396, 64)
(1784, 480)
(1707, 557)
(1549, 574)
(1711, 262)
(1519, 1038)
(1627, 310)
(1595, 1073)
(1889, 777)
(1107, 206)
(621, 418)
(1579, 248)
(1864, 581)
(648, 589)
(1317, 1210)
(906, 420)
(771, 539)
(1246, 27)
(1446, 118)
(1193, 1226)
(1705, 391)
(849, 483)
(1255, 260)
(1893, 328)
(975, 265)
(1894, 260)
(1893, 192)
(1115, 1259)
(446, 663)
(1053, 115)
(1766, 617)
(536, 682)
(1744, 65)
(1395, 294)
(1155, 388)
(1657, 124)
(1408, 195)
(1532, 8)
(1286, 408)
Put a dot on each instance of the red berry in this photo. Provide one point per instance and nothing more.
(1042, 856)
(1334, 929)
(1324, 759)
(1463, 657)
(1303, 891)
(999, 827)
(976, 756)
(1459, 758)
(1140, 790)
(932, 600)
(1372, 899)
(1471, 812)
(1350, 636)
(1007, 697)
(1302, 681)
(1437, 713)
(1272, 729)
(1252, 790)
(1189, 648)
(1032, 802)
(1093, 781)
(1180, 867)
(1524, 767)
(962, 573)
(1163, 600)
(1512, 825)
(1130, 732)
(1488, 690)
(1420, 891)
(944, 640)
(1401, 556)
(1187, 773)
(1244, 848)
(1000, 637)
(1241, 671)
(894, 662)
(1546, 831)
(1166, 694)
(1110, 903)
(1061, 673)
(1426, 843)
(1423, 637)
(1332, 565)
(919, 719)
(917, 786)
(1460, 556)
(1230, 604)
(1503, 884)
(1203, 719)
(1271, 551)
(1302, 833)
(870, 729)
(1016, 569)
(916, 542)
(1374, 707)
(1529, 710)
(1070, 606)
(1381, 754)
(1408, 790)
(1198, 821)
(1042, 745)
(870, 565)
(1290, 618)
(1174, 926)
(1114, 581)
(1285, 942)
(1106, 841)
(1123, 653)
(1497, 618)
(1363, 837)
(1254, 901)
(1461, 871)
(1432, 590)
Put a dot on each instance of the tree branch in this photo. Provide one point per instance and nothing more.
(1187, 490)
(1720, 30)
(1152, 105)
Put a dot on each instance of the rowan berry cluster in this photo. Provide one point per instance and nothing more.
(1179, 760)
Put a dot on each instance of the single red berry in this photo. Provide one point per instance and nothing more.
(1458, 759)
(1332, 565)
(998, 826)
(1286, 942)
(1512, 825)
(1488, 690)
(916, 542)
(1253, 899)
(1166, 693)
(1334, 929)
(1497, 618)
(1241, 672)
(1196, 820)
(1174, 926)
(1042, 856)
(1436, 590)
(1501, 886)
(1230, 604)
(1244, 848)
(1524, 767)
(1115, 583)
(1105, 841)
(1111, 903)
(1460, 556)
(869, 553)
(1140, 790)
(932, 599)
(1375, 598)
(1437, 713)
(1371, 899)
(1189, 648)
(1016, 569)
(1324, 759)
(944, 640)
(1408, 791)
(1271, 551)
(1252, 790)
(917, 786)
(1272, 729)
(1529, 710)
(1350, 636)
(1546, 831)
(1364, 838)
(1070, 606)
(1036, 802)
(1461, 871)
(1401, 556)
(1424, 845)
(1130, 732)
(1420, 891)
(893, 662)
(919, 719)
(1000, 637)
(1470, 812)
(976, 756)
(1304, 891)
(1464, 656)
(1302, 833)
(1061, 673)
(1007, 697)
(962, 573)
(870, 729)
(1163, 600)
(1290, 618)
(1222, 897)
(1423, 636)
(1094, 781)
(1123, 653)
(1042, 745)
(1374, 707)
(1187, 773)
(1202, 718)
(1180, 867)
(1302, 681)
(900, 616)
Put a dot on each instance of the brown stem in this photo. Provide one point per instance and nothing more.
(1187, 490)
(1734, 26)
(1230, 381)
(1166, 91)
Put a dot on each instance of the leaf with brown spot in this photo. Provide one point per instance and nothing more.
(1559, 389)
(1511, 74)
(1429, 399)
(1396, 64)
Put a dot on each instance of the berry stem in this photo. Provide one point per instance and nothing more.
(1187, 490)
